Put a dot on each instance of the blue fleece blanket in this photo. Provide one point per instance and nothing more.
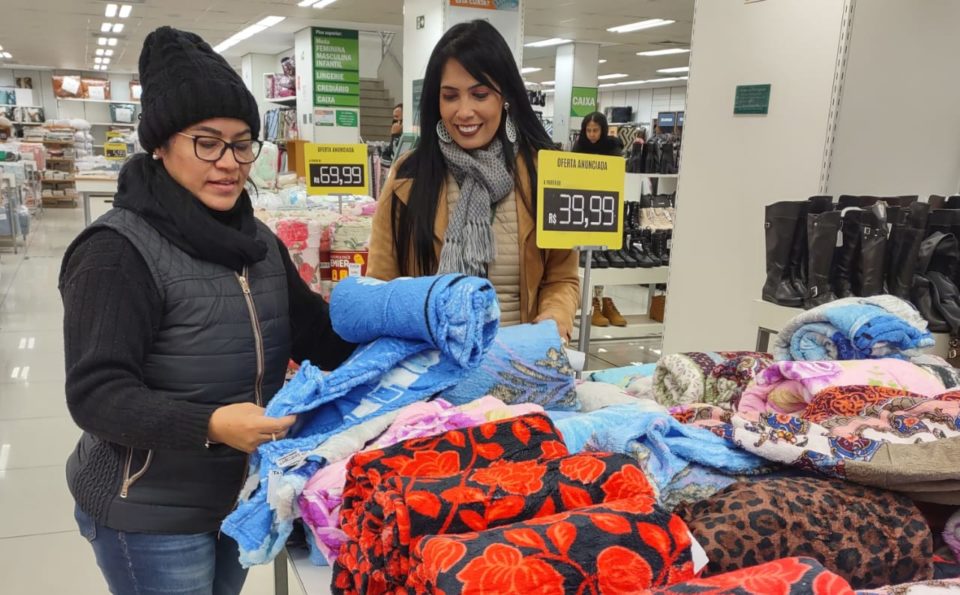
(423, 336)
(854, 328)
(526, 364)
(663, 446)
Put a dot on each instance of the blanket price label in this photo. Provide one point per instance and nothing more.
(336, 169)
(580, 200)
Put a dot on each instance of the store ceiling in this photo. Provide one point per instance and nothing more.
(63, 33)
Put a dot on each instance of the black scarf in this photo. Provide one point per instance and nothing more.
(227, 239)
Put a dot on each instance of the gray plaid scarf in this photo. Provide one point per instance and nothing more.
(484, 181)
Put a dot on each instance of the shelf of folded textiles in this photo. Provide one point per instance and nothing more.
(86, 100)
(28, 123)
(638, 276)
(638, 326)
(283, 100)
(64, 181)
(114, 124)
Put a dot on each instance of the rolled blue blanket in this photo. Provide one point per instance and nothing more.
(423, 336)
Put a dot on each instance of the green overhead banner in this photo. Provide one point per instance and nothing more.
(336, 67)
(583, 101)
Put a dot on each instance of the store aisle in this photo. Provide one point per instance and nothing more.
(41, 550)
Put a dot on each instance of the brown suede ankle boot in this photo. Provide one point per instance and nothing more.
(598, 319)
(611, 313)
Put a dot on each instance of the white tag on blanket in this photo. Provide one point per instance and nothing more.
(291, 459)
(273, 488)
(699, 554)
(354, 270)
(578, 359)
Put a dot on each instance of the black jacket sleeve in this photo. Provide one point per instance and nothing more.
(310, 327)
(112, 310)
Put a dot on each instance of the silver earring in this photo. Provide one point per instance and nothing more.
(511, 129)
(443, 134)
(156, 157)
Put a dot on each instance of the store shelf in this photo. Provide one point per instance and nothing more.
(115, 124)
(282, 100)
(79, 100)
(638, 326)
(59, 160)
(26, 106)
(638, 276)
(66, 143)
(66, 181)
(28, 123)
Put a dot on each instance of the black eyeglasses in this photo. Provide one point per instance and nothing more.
(212, 149)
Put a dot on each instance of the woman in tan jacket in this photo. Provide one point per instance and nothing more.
(464, 200)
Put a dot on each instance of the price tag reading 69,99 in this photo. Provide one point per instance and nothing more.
(579, 200)
(336, 169)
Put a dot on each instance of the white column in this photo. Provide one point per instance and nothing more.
(732, 166)
(576, 66)
(252, 69)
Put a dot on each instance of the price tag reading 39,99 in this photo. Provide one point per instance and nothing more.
(579, 200)
(336, 169)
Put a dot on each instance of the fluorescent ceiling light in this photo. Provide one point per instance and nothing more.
(547, 42)
(548, 91)
(674, 70)
(618, 75)
(6, 55)
(549, 83)
(106, 60)
(102, 41)
(1, 48)
(100, 51)
(112, 41)
(647, 24)
(306, 3)
(607, 85)
(108, 53)
(529, 69)
(659, 80)
(118, 28)
(247, 33)
(105, 27)
(111, 11)
(601, 61)
(324, 3)
(125, 11)
(98, 60)
(666, 52)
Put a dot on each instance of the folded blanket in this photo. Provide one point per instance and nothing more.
(528, 438)
(321, 498)
(525, 364)
(789, 576)
(717, 378)
(412, 356)
(597, 395)
(789, 387)
(869, 537)
(618, 547)
(663, 446)
(625, 376)
(854, 328)
(904, 444)
(951, 533)
(404, 510)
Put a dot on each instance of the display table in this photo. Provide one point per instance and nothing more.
(770, 318)
(638, 326)
(89, 186)
(313, 580)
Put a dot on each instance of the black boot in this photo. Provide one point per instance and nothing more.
(780, 227)
(600, 260)
(822, 229)
(635, 247)
(845, 255)
(632, 263)
(650, 247)
(903, 249)
(936, 202)
(663, 245)
(616, 261)
(868, 277)
(953, 202)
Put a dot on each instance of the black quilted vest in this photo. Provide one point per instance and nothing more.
(214, 343)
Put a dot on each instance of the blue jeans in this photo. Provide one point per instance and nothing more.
(148, 564)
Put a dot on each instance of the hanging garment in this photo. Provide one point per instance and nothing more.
(405, 510)
(615, 548)
(528, 438)
(422, 335)
(789, 576)
(869, 537)
(718, 378)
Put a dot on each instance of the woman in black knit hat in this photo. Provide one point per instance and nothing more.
(181, 312)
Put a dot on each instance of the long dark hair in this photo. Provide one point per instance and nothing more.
(605, 146)
(483, 52)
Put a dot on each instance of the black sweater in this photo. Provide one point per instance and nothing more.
(113, 312)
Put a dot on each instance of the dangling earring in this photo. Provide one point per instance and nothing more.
(156, 157)
(511, 129)
(443, 134)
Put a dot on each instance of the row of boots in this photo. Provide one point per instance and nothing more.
(862, 246)
(641, 249)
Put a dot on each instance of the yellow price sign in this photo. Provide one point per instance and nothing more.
(115, 151)
(336, 169)
(580, 200)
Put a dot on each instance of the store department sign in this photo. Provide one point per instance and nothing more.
(580, 200)
(751, 100)
(336, 67)
(512, 5)
(336, 169)
(583, 101)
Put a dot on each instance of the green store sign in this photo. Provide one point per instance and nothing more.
(336, 67)
(583, 101)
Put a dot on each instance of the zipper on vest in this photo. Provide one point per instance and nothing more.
(129, 480)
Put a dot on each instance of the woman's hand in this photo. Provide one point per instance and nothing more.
(565, 328)
(244, 426)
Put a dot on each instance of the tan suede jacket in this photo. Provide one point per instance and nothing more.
(549, 281)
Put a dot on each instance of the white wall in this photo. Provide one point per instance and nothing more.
(645, 102)
(735, 165)
(417, 47)
(899, 125)
(369, 54)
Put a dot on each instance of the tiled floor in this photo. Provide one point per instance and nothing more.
(41, 551)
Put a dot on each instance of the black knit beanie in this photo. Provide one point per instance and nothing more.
(184, 82)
